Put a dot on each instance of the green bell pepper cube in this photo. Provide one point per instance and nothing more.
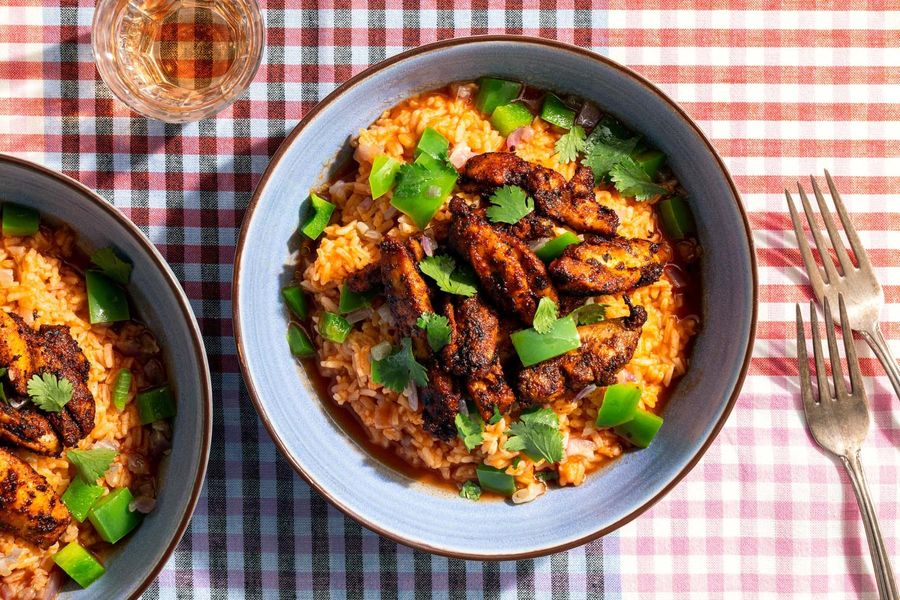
(107, 300)
(299, 343)
(318, 214)
(80, 497)
(620, 402)
(677, 219)
(334, 327)
(296, 300)
(506, 118)
(112, 518)
(555, 112)
(122, 388)
(533, 347)
(495, 480)
(554, 248)
(641, 429)
(383, 174)
(650, 161)
(351, 301)
(422, 187)
(79, 564)
(433, 144)
(156, 404)
(20, 221)
(493, 92)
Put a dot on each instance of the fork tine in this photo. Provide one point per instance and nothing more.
(821, 376)
(837, 373)
(831, 274)
(836, 242)
(856, 381)
(803, 363)
(812, 269)
(861, 257)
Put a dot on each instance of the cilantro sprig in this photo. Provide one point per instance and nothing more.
(469, 428)
(396, 370)
(470, 491)
(509, 204)
(437, 329)
(449, 277)
(537, 435)
(631, 180)
(546, 314)
(570, 145)
(91, 464)
(604, 151)
(49, 392)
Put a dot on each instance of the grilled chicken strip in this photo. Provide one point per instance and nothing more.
(366, 279)
(599, 266)
(572, 203)
(605, 348)
(440, 404)
(15, 352)
(29, 508)
(406, 290)
(489, 390)
(29, 429)
(509, 272)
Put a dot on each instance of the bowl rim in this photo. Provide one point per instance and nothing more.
(196, 339)
(298, 129)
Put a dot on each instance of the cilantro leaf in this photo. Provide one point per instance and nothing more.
(589, 314)
(469, 428)
(91, 464)
(107, 259)
(449, 277)
(632, 181)
(603, 151)
(397, 369)
(537, 435)
(48, 392)
(546, 475)
(546, 314)
(570, 145)
(470, 491)
(509, 204)
(437, 328)
(495, 418)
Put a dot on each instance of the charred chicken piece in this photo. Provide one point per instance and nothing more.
(29, 508)
(15, 352)
(605, 348)
(508, 270)
(29, 429)
(570, 202)
(440, 403)
(599, 266)
(488, 388)
(366, 279)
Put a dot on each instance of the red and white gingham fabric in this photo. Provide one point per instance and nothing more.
(782, 89)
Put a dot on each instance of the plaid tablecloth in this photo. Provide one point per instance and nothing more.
(783, 90)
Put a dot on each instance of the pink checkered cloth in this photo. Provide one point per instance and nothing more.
(783, 90)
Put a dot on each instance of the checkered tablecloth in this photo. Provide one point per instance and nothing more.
(782, 90)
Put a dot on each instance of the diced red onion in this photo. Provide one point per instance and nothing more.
(137, 464)
(585, 391)
(580, 447)
(17, 403)
(142, 504)
(536, 244)
(379, 351)
(677, 275)
(461, 153)
(412, 396)
(108, 444)
(360, 315)
(427, 245)
(464, 408)
(625, 376)
(522, 134)
(384, 311)
(588, 116)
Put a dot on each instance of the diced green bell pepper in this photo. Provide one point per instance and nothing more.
(422, 187)
(495, 480)
(80, 497)
(433, 144)
(156, 404)
(296, 300)
(111, 517)
(650, 161)
(493, 92)
(20, 221)
(318, 214)
(299, 343)
(554, 248)
(555, 112)
(79, 564)
(620, 402)
(107, 300)
(383, 174)
(533, 347)
(506, 118)
(351, 301)
(334, 327)
(122, 388)
(641, 429)
(677, 219)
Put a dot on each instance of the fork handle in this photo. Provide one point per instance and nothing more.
(879, 345)
(887, 587)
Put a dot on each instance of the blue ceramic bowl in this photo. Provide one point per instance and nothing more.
(162, 305)
(414, 513)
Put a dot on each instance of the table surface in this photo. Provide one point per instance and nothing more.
(783, 91)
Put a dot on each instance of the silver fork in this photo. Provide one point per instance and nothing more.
(839, 423)
(859, 285)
